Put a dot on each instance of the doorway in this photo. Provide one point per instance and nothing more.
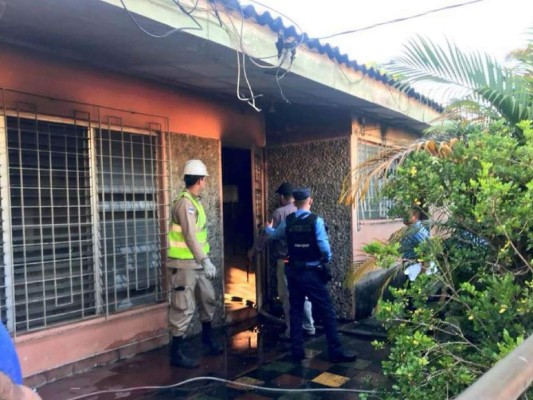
(240, 277)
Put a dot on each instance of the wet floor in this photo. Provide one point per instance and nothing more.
(240, 285)
(254, 354)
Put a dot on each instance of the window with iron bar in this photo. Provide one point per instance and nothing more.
(129, 231)
(84, 223)
(373, 206)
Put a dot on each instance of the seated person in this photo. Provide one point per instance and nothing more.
(416, 232)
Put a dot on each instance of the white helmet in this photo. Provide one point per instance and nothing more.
(195, 167)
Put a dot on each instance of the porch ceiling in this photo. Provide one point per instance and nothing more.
(102, 34)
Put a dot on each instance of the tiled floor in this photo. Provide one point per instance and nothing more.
(316, 372)
(254, 356)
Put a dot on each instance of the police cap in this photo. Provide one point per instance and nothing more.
(301, 194)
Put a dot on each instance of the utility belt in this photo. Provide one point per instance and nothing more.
(318, 266)
(303, 264)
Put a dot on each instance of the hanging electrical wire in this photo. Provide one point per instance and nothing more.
(167, 33)
(241, 68)
(280, 77)
(249, 100)
(284, 47)
(182, 7)
(237, 36)
(213, 5)
(189, 13)
(298, 38)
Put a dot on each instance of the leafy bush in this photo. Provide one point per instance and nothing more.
(447, 329)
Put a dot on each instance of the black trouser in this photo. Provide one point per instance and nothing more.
(306, 281)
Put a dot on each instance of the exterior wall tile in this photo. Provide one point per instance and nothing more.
(320, 165)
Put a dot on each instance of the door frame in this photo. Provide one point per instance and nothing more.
(259, 190)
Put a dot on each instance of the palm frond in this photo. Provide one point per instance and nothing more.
(357, 184)
(359, 271)
(468, 110)
(392, 274)
(397, 236)
(476, 74)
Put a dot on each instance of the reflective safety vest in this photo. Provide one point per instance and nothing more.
(176, 240)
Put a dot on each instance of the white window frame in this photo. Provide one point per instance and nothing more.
(383, 205)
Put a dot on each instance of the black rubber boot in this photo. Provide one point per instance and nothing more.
(298, 356)
(177, 358)
(342, 356)
(207, 339)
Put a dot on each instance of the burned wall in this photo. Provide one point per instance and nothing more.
(183, 148)
(320, 165)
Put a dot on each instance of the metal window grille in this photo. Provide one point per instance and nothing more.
(3, 309)
(128, 214)
(51, 227)
(373, 206)
(3, 294)
(83, 214)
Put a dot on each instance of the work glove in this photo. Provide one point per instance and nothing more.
(209, 269)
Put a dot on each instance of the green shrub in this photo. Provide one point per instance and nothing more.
(447, 329)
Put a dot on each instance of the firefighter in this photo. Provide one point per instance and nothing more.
(307, 274)
(190, 270)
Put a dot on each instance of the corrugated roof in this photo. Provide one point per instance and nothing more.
(277, 26)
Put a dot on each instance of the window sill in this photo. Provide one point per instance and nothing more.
(379, 221)
(98, 320)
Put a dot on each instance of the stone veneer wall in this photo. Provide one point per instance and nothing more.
(183, 148)
(320, 165)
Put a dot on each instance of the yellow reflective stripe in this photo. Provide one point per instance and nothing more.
(176, 235)
(182, 245)
(175, 228)
(179, 245)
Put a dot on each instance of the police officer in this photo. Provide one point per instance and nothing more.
(279, 252)
(307, 274)
(189, 267)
